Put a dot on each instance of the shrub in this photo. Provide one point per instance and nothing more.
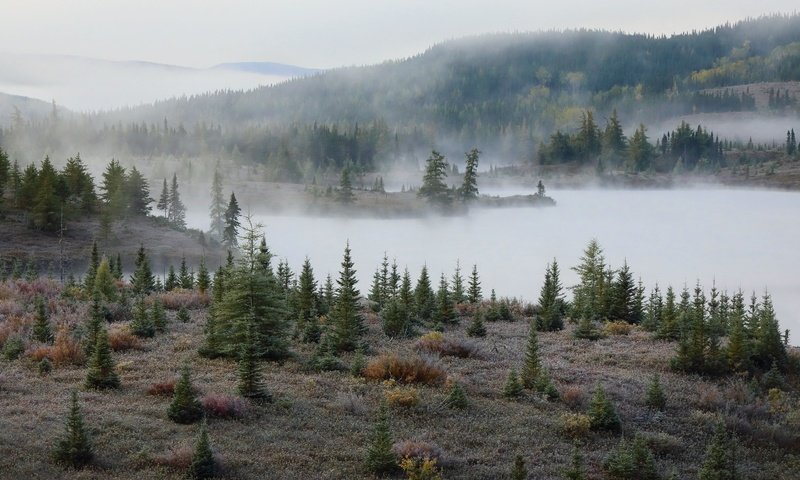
(418, 450)
(177, 458)
(654, 397)
(709, 398)
(424, 469)
(662, 443)
(618, 328)
(66, 350)
(184, 407)
(74, 449)
(435, 342)
(587, 330)
(164, 388)
(183, 315)
(13, 348)
(44, 367)
(405, 369)
(602, 413)
(175, 299)
(404, 397)
(576, 425)
(121, 339)
(573, 396)
(223, 406)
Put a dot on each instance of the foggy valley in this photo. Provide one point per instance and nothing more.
(318, 241)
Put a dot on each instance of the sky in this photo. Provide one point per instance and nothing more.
(324, 33)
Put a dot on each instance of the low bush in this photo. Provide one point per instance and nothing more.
(576, 425)
(223, 406)
(418, 450)
(403, 397)
(436, 342)
(121, 339)
(165, 388)
(407, 369)
(573, 396)
(618, 328)
(190, 299)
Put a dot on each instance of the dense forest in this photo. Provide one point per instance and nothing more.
(505, 92)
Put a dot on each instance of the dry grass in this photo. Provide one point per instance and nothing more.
(121, 339)
(437, 343)
(618, 328)
(190, 299)
(405, 369)
(402, 397)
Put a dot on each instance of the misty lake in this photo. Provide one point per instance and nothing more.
(746, 239)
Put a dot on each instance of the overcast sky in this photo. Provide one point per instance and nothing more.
(325, 33)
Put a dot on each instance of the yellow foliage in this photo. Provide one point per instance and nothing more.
(424, 469)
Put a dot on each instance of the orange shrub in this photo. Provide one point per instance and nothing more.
(190, 299)
(573, 396)
(165, 388)
(404, 397)
(618, 328)
(66, 349)
(405, 369)
(435, 342)
(122, 339)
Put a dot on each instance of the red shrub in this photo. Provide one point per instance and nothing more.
(165, 388)
(122, 339)
(224, 406)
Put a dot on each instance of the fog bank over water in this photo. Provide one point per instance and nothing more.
(744, 239)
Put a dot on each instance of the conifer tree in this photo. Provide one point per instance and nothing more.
(424, 300)
(158, 316)
(185, 278)
(231, 232)
(631, 461)
(346, 319)
(456, 397)
(218, 206)
(376, 290)
(138, 192)
(434, 189)
(587, 330)
(519, 471)
(476, 328)
(163, 199)
(250, 381)
(91, 272)
(104, 281)
(653, 311)
(395, 319)
(177, 210)
(654, 397)
(203, 280)
(551, 300)
(769, 347)
(203, 464)
(602, 413)
(444, 305)
(358, 364)
(669, 329)
(532, 368)
(623, 292)
(738, 349)
(474, 291)
(172, 282)
(117, 270)
(93, 324)
(469, 189)
(142, 279)
(74, 449)
(41, 325)
(345, 192)
(142, 324)
(306, 302)
(720, 461)
(458, 285)
(406, 295)
(101, 373)
(512, 388)
(588, 294)
(576, 470)
(380, 459)
(185, 408)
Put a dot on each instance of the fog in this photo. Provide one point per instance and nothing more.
(85, 84)
(763, 128)
(735, 238)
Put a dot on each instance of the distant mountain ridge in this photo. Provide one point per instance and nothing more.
(268, 68)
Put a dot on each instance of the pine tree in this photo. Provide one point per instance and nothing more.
(250, 381)
(163, 199)
(602, 413)
(519, 471)
(101, 373)
(231, 232)
(512, 388)
(588, 294)
(345, 192)
(358, 364)
(177, 210)
(738, 351)
(424, 300)
(74, 449)
(93, 324)
(458, 285)
(631, 461)
(768, 346)
(217, 208)
(380, 459)
(113, 188)
(138, 192)
(203, 279)
(623, 291)
(474, 291)
(456, 397)
(172, 281)
(576, 470)
(142, 324)
(91, 271)
(720, 461)
(587, 330)
(142, 279)
(532, 368)
(104, 281)
(476, 328)
(306, 301)
(203, 464)
(654, 397)
(41, 324)
(653, 311)
(434, 189)
(158, 316)
(669, 329)
(346, 319)
(469, 189)
(185, 278)
(395, 319)
(185, 408)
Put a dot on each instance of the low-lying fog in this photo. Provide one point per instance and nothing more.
(744, 239)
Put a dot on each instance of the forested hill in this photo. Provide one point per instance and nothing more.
(512, 79)
(502, 93)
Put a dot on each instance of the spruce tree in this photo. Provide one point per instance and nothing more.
(512, 388)
(74, 449)
(469, 189)
(395, 319)
(345, 193)
(306, 302)
(185, 408)
(172, 282)
(602, 413)
(768, 345)
(203, 279)
(158, 317)
(91, 271)
(424, 299)
(653, 311)
(623, 291)
(434, 189)
(532, 368)
(444, 312)
(138, 193)
(476, 328)
(551, 300)
(720, 461)
(250, 381)
(654, 397)
(163, 199)
(588, 294)
(101, 374)
(576, 470)
(631, 461)
(104, 281)
(41, 324)
(142, 324)
(217, 209)
(380, 459)
(231, 231)
(474, 290)
(358, 364)
(142, 279)
(203, 464)
(458, 285)
(93, 324)
(456, 397)
(519, 471)
(346, 319)
(669, 328)
(177, 210)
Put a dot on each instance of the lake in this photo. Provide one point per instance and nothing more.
(748, 239)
